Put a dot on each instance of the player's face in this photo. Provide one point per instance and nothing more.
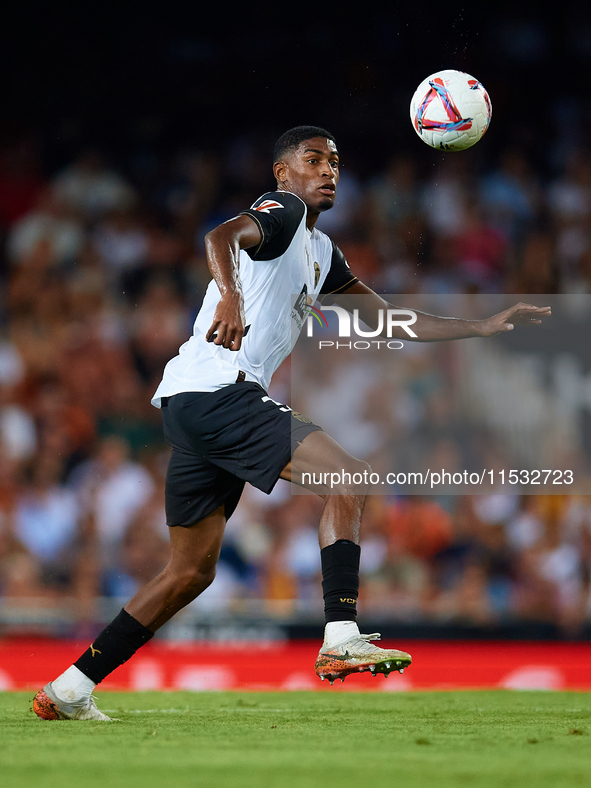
(312, 172)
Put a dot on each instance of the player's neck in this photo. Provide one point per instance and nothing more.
(311, 219)
(311, 216)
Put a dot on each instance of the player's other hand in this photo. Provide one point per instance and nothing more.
(520, 314)
(227, 328)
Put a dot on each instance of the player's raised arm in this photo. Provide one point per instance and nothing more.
(432, 328)
(222, 247)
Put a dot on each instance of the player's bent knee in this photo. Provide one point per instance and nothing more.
(355, 478)
(191, 582)
(348, 476)
(360, 467)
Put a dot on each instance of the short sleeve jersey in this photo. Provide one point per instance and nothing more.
(287, 271)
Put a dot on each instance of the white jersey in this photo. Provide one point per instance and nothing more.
(280, 277)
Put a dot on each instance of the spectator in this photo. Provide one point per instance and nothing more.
(52, 222)
(481, 251)
(47, 519)
(91, 189)
(121, 241)
(510, 195)
(21, 180)
(418, 526)
(113, 489)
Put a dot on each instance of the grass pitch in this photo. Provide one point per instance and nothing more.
(304, 740)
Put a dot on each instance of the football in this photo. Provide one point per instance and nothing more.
(450, 110)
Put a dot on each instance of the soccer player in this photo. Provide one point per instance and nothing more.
(224, 429)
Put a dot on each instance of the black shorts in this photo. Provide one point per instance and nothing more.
(220, 440)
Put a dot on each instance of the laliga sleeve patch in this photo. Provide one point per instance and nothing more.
(268, 205)
(278, 216)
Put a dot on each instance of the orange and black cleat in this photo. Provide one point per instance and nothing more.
(358, 655)
(47, 706)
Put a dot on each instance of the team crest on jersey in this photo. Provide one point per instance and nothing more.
(268, 205)
(316, 274)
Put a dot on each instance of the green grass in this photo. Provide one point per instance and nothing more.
(302, 739)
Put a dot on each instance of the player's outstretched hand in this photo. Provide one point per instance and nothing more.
(227, 328)
(520, 314)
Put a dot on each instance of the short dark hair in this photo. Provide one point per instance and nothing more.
(293, 138)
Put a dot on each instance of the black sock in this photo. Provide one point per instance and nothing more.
(115, 645)
(340, 580)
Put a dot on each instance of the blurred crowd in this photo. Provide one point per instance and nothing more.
(103, 271)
